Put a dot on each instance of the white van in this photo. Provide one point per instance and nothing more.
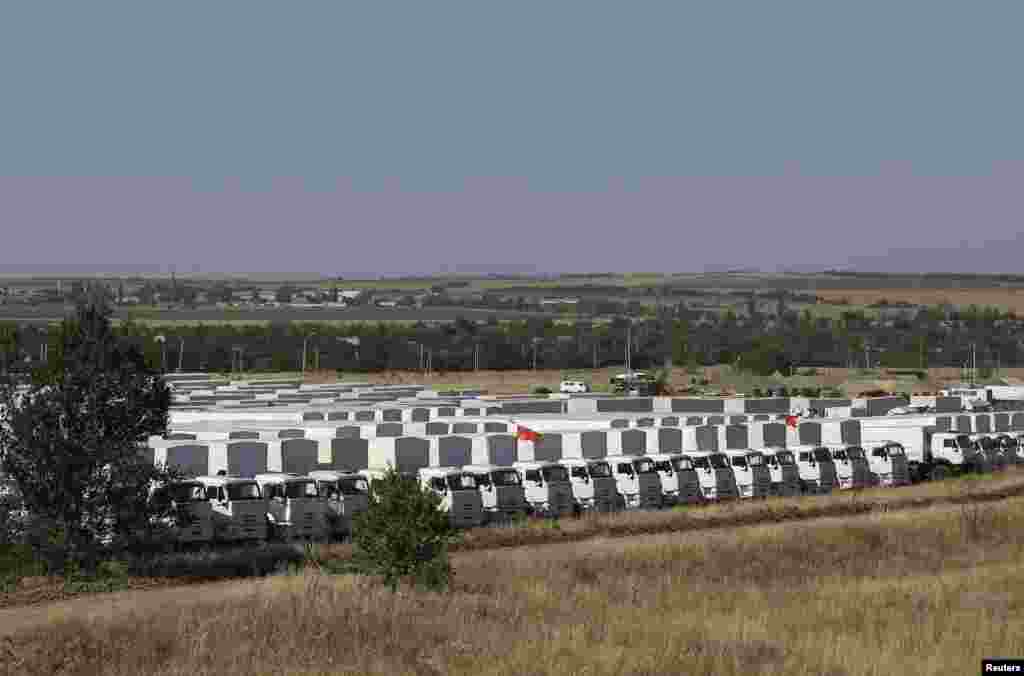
(501, 492)
(294, 506)
(238, 506)
(680, 483)
(459, 492)
(347, 494)
(547, 488)
(573, 387)
(753, 479)
(783, 471)
(593, 486)
(637, 481)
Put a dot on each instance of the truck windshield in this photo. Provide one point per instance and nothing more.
(483, 479)
(894, 450)
(353, 485)
(300, 489)
(839, 454)
(186, 492)
(739, 461)
(701, 462)
(506, 477)
(682, 464)
(243, 491)
(600, 469)
(461, 482)
(644, 466)
(785, 458)
(755, 460)
(327, 488)
(771, 461)
(963, 441)
(822, 455)
(555, 474)
(855, 452)
(719, 461)
(663, 466)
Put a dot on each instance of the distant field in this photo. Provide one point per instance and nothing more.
(1007, 298)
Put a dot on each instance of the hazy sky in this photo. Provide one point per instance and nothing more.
(388, 137)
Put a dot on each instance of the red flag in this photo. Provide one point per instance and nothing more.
(791, 421)
(526, 434)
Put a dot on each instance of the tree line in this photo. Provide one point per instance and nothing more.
(757, 342)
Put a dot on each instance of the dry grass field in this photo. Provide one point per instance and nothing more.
(1006, 298)
(924, 591)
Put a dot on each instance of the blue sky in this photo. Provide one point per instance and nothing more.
(569, 97)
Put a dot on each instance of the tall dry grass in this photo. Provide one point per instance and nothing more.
(927, 591)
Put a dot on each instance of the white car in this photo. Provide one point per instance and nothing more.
(573, 387)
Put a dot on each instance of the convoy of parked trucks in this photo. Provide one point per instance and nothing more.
(891, 451)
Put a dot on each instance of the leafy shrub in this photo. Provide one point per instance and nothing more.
(542, 390)
(404, 535)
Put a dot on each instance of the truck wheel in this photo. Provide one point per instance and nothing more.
(939, 472)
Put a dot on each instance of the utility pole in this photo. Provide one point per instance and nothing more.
(476, 356)
(181, 352)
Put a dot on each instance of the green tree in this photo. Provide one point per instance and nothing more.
(10, 340)
(404, 534)
(71, 442)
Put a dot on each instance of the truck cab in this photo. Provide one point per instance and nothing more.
(547, 487)
(717, 480)
(887, 463)
(990, 449)
(294, 506)
(347, 494)
(953, 452)
(501, 492)
(637, 481)
(852, 469)
(238, 508)
(460, 495)
(593, 486)
(191, 514)
(680, 483)
(753, 479)
(817, 469)
(1011, 448)
(783, 471)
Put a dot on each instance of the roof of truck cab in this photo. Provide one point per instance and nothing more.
(222, 480)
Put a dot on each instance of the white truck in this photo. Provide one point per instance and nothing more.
(887, 462)
(990, 449)
(501, 492)
(637, 481)
(852, 467)
(930, 455)
(190, 517)
(294, 506)
(238, 506)
(753, 479)
(593, 486)
(1011, 447)
(783, 471)
(346, 493)
(717, 480)
(460, 496)
(547, 487)
(680, 482)
(817, 469)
